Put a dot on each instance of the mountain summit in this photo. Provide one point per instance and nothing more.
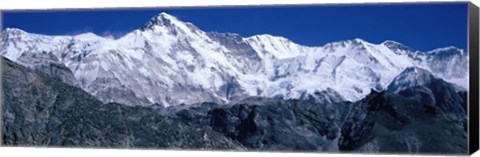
(162, 19)
(171, 62)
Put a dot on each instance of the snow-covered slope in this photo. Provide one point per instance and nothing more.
(170, 62)
(410, 77)
(448, 63)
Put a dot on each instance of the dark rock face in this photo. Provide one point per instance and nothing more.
(441, 94)
(40, 111)
(386, 122)
(432, 90)
(381, 122)
(268, 124)
(326, 96)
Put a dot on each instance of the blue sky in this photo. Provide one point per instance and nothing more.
(421, 26)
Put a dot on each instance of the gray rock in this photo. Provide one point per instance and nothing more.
(40, 111)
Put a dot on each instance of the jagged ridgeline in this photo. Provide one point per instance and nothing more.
(174, 62)
(175, 86)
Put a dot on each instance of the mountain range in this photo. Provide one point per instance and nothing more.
(39, 110)
(171, 62)
(169, 84)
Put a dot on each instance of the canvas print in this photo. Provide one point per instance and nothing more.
(361, 78)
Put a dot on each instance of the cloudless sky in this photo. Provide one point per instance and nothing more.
(422, 26)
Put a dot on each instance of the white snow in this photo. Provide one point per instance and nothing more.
(174, 62)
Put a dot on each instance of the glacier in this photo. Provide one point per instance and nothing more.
(171, 62)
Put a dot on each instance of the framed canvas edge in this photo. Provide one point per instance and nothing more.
(473, 100)
(473, 51)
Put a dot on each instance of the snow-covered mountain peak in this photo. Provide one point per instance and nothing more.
(268, 37)
(165, 16)
(276, 46)
(336, 44)
(90, 37)
(167, 27)
(393, 45)
(359, 41)
(15, 33)
(346, 43)
(399, 48)
(162, 19)
(169, 22)
(12, 31)
(450, 50)
(391, 42)
(410, 77)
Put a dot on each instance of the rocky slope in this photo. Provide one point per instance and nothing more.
(41, 111)
(419, 84)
